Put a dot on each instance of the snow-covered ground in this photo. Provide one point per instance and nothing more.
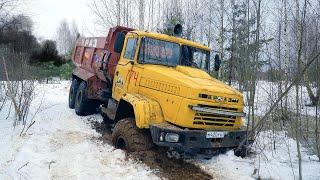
(268, 163)
(267, 93)
(61, 145)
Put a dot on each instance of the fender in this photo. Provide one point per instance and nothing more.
(92, 80)
(82, 73)
(146, 110)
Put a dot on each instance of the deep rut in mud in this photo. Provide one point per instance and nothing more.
(157, 159)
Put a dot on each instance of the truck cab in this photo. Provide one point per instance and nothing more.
(162, 94)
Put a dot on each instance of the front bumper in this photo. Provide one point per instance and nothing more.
(195, 141)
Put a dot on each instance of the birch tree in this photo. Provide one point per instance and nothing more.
(141, 14)
(66, 36)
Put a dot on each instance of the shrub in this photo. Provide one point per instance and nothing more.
(47, 53)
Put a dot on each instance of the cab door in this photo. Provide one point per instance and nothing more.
(125, 74)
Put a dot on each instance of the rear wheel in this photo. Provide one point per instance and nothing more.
(72, 93)
(83, 105)
(126, 135)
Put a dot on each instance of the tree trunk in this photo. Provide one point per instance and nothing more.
(300, 28)
(222, 32)
(286, 57)
(141, 14)
(232, 58)
(118, 4)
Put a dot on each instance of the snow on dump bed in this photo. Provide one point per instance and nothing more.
(267, 163)
(61, 145)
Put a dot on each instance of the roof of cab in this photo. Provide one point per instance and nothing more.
(171, 39)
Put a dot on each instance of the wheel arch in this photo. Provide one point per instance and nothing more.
(124, 110)
(143, 109)
(91, 80)
(82, 74)
(73, 76)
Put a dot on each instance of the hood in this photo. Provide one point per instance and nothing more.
(191, 81)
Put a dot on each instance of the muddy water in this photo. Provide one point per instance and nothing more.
(158, 161)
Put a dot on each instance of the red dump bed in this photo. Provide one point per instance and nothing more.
(96, 55)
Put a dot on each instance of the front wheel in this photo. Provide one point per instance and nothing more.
(126, 135)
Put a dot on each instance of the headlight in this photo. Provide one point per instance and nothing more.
(169, 137)
(172, 137)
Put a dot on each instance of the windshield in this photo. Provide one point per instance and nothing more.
(154, 51)
(195, 57)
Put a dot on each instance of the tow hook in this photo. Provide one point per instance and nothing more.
(173, 154)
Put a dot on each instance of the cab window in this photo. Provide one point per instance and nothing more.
(195, 57)
(154, 51)
(130, 48)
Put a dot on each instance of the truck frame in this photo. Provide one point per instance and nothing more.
(155, 89)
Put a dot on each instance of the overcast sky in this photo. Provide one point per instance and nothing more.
(47, 14)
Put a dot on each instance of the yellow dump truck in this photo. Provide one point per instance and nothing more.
(156, 89)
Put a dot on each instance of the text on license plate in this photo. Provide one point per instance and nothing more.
(216, 134)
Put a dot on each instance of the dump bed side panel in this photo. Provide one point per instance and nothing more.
(96, 54)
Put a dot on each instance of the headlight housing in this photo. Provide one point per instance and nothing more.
(172, 137)
(169, 137)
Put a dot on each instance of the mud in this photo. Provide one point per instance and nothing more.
(157, 159)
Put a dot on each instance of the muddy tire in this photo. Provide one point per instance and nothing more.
(127, 136)
(83, 106)
(106, 120)
(72, 93)
(95, 104)
(241, 152)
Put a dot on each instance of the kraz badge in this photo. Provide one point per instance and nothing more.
(119, 81)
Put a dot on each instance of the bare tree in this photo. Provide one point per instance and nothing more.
(110, 13)
(3, 97)
(222, 33)
(66, 36)
(141, 14)
(19, 87)
(317, 132)
(233, 43)
(6, 8)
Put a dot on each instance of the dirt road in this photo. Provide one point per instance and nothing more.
(158, 160)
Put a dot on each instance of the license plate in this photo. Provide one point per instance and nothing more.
(215, 134)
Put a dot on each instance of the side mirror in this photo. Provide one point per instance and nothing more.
(118, 42)
(217, 62)
(177, 31)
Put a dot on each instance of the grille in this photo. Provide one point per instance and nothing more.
(214, 119)
(219, 98)
(218, 107)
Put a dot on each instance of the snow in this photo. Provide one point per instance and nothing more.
(267, 93)
(61, 145)
(268, 163)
